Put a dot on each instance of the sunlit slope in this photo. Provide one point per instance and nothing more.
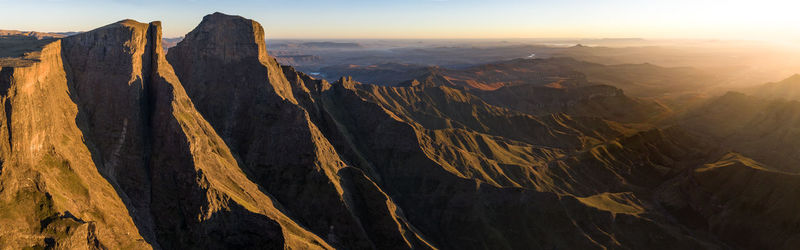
(52, 193)
(407, 158)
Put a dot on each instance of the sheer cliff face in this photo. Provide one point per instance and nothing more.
(109, 68)
(53, 192)
(106, 142)
(244, 94)
(104, 147)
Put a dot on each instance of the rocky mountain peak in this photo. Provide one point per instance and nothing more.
(347, 82)
(229, 38)
(222, 45)
(431, 79)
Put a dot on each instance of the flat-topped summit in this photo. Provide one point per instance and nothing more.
(220, 47)
(32, 34)
(227, 37)
(21, 51)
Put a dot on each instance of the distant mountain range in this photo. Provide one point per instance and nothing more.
(34, 34)
(316, 45)
(788, 89)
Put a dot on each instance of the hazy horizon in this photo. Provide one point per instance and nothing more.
(770, 20)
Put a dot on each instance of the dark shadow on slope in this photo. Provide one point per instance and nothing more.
(180, 191)
(247, 101)
(142, 222)
(377, 214)
(6, 75)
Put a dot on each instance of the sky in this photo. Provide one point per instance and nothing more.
(764, 20)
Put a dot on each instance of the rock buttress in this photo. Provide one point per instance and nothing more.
(246, 97)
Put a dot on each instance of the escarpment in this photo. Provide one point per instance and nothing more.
(114, 125)
(53, 192)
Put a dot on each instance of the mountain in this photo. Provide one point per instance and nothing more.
(538, 72)
(258, 115)
(645, 79)
(544, 86)
(511, 177)
(762, 129)
(788, 89)
(316, 45)
(739, 200)
(380, 74)
(168, 43)
(87, 163)
(33, 34)
(108, 141)
(639, 80)
(602, 101)
(297, 59)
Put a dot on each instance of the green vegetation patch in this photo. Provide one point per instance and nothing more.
(65, 175)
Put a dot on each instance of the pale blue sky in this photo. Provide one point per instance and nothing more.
(717, 19)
